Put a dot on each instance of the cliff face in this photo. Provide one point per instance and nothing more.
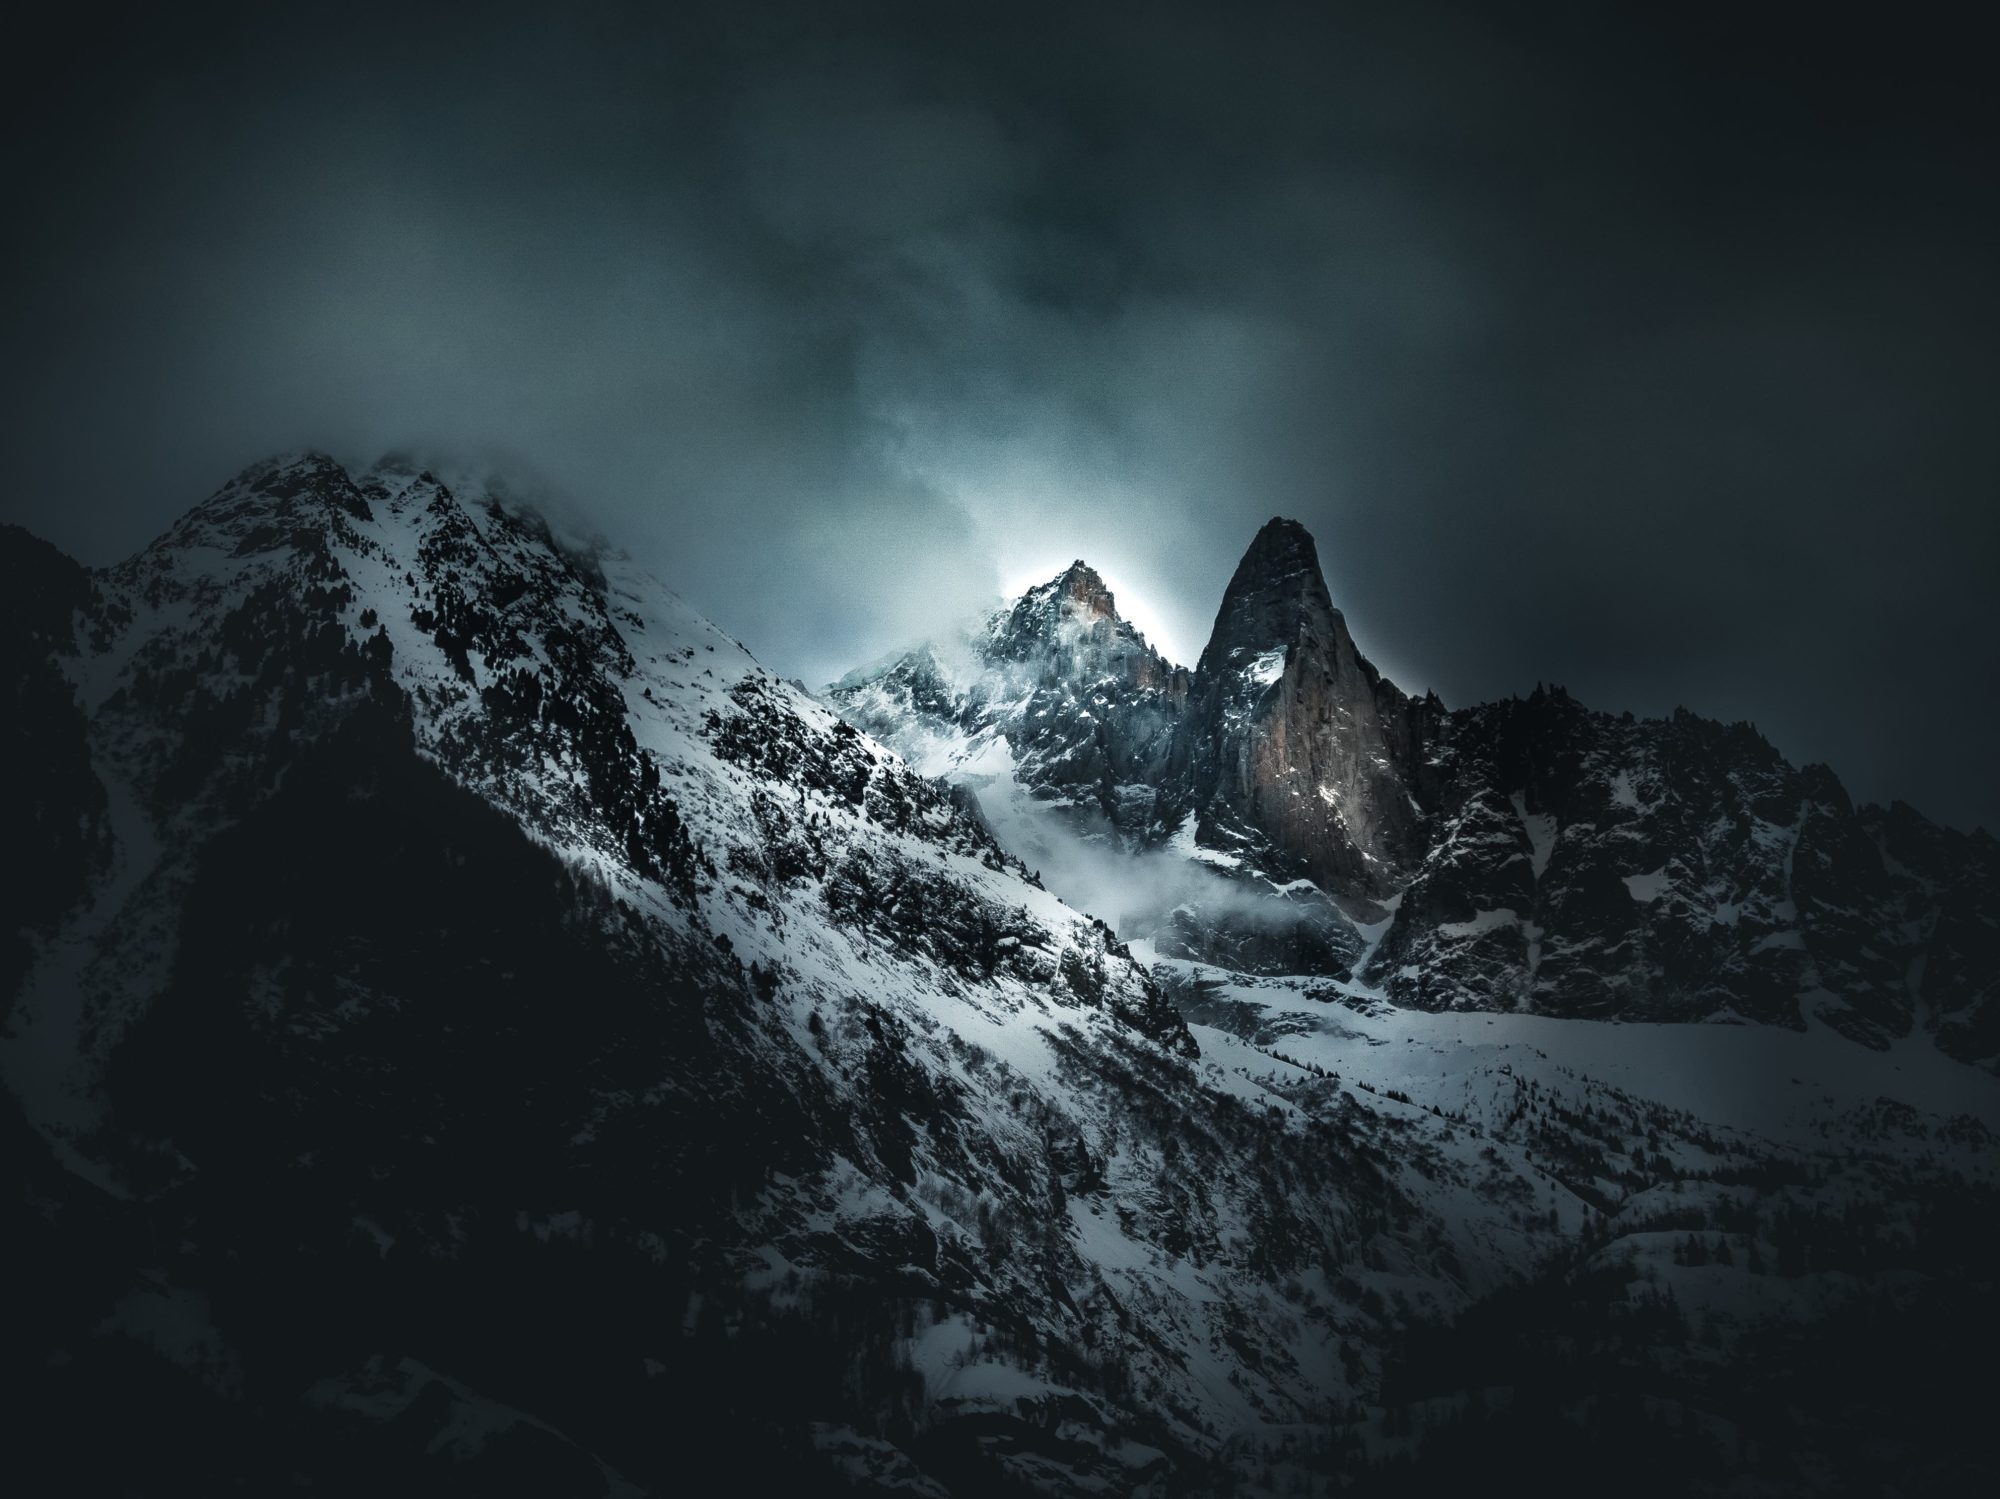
(1294, 744)
(1677, 869)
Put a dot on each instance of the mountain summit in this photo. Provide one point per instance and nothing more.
(1054, 699)
(1079, 583)
(1276, 596)
(1294, 743)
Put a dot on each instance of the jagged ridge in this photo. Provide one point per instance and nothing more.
(1523, 855)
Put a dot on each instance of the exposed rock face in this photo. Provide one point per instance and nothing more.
(1529, 854)
(1945, 887)
(1680, 869)
(1294, 746)
(1665, 870)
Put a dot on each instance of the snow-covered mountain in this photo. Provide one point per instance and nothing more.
(1527, 855)
(1055, 693)
(471, 1028)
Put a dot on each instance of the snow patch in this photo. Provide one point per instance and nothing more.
(1648, 887)
(1267, 668)
(1541, 830)
(1482, 921)
(1183, 844)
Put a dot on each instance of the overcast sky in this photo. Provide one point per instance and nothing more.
(1635, 349)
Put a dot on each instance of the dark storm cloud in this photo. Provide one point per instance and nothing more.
(1640, 353)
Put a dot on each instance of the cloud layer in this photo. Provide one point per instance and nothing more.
(1635, 353)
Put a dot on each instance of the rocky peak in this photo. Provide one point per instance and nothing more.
(1082, 586)
(1069, 629)
(1277, 596)
(1293, 738)
(1072, 605)
(284, 501)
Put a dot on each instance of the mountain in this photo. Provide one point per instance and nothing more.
(1528, 855)
(1074, 734)
(1297, 752)
(470, 1028)
(1055, 693)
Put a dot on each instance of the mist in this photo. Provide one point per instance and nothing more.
(1136, 891)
